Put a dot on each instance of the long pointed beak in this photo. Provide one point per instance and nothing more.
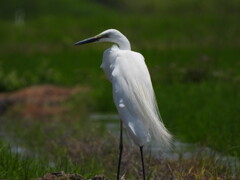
(89, 40)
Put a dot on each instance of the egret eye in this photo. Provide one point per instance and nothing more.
(106, 35)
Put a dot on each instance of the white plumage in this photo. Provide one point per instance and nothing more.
(134, 96)
(132, 91)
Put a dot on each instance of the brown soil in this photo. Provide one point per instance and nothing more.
(63, 176)
(38, 101)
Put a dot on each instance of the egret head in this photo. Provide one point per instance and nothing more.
(110, 35)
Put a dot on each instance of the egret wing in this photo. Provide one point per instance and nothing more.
(135, 100)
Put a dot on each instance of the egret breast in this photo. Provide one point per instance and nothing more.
(109, 60)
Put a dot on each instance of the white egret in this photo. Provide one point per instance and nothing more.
(133, 93)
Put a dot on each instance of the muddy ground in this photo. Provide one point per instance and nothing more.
(64, 176)
(38, 101)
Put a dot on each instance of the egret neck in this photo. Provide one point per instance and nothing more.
(122, 43)
(115, 37)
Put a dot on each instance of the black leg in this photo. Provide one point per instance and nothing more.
(143, 169)
(120, 148)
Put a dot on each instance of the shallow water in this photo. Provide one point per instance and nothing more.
(111, 122)
(179, 150)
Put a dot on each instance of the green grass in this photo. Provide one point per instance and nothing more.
(52, 144)
(82, 146)
(190, 47)
(18, 166)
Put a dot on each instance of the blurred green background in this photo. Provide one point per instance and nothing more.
(192, 49)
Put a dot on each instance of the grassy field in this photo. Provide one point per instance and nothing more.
(79, 145)
(190, 47)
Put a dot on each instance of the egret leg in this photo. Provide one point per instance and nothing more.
(143, 169)
(121, 149)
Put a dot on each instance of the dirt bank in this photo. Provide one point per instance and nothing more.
(38, 101)
(64, 176)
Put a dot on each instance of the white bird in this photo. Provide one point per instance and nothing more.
(133, 92)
